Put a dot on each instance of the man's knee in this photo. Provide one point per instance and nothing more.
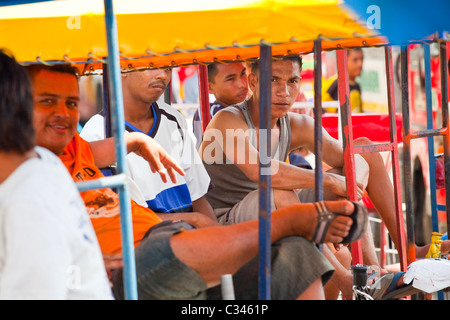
(283, 198)
(362, 141)
(296, 263)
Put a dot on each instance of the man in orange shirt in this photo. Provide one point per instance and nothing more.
(174, 259)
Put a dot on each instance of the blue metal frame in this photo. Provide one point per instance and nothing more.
(265, 107)
(445, 124)
(117, 118)
(6, 3)
(318, 182)
(431, 159)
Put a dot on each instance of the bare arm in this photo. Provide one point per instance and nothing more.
(228, 129)
(202, 215)
(159, 160)
(302, 128)
(202, 205)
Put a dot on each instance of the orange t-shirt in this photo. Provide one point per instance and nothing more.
(103, 204)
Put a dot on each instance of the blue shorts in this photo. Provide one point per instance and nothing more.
(296, 263)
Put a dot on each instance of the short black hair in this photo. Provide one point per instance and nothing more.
(16, 106)
(212, 71)
(356, 49)
(294, 58)
(33, 69)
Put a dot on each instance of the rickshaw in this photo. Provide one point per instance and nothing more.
(53, 32)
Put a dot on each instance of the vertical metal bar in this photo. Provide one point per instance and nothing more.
(346, 121)
(407, 154)
(116, 102)
(347, 138)
(106, 106)
(431, 160)
(205, 113)
(265, 108)
(382, 245)
(168, 93)
(445, 124)
(107, 114)
(318, 186)
(395, 159)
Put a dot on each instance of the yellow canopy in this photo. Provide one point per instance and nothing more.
(177, 32)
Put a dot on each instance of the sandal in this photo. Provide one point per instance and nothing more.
(379, 287)
(325, 217)
(386, 288)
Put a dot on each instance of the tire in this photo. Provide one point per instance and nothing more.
(419, 194)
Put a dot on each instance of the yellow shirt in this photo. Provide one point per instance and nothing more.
(330, 93)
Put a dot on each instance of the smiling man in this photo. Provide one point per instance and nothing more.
(57, 130)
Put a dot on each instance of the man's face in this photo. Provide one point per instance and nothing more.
(56, 115)
(355, 59)
(286, 76)
(148, 85)
(230, 85)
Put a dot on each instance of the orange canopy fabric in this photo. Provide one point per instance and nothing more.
(163, 33)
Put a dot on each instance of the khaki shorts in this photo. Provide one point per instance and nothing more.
(248, 208)
(245, 210)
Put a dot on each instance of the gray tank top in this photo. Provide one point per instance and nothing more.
(229, 184)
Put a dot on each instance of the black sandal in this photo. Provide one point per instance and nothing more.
(325, 216)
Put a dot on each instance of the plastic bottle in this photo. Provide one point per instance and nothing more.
(435, 247)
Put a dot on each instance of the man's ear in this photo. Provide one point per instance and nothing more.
(252, 82)
(210, 88)
(123, 73)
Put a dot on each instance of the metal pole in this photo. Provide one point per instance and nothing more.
(168, 93)
(431, 160)
(395, 159)
(265, 107)
(347, 138)
(346, 120)
(318, 185)
(205, 113)
(117, 117)
(445, 124)
(407, 154)
(106, 106)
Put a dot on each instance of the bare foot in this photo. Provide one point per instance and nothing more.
(445, 247)
(421, 251)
